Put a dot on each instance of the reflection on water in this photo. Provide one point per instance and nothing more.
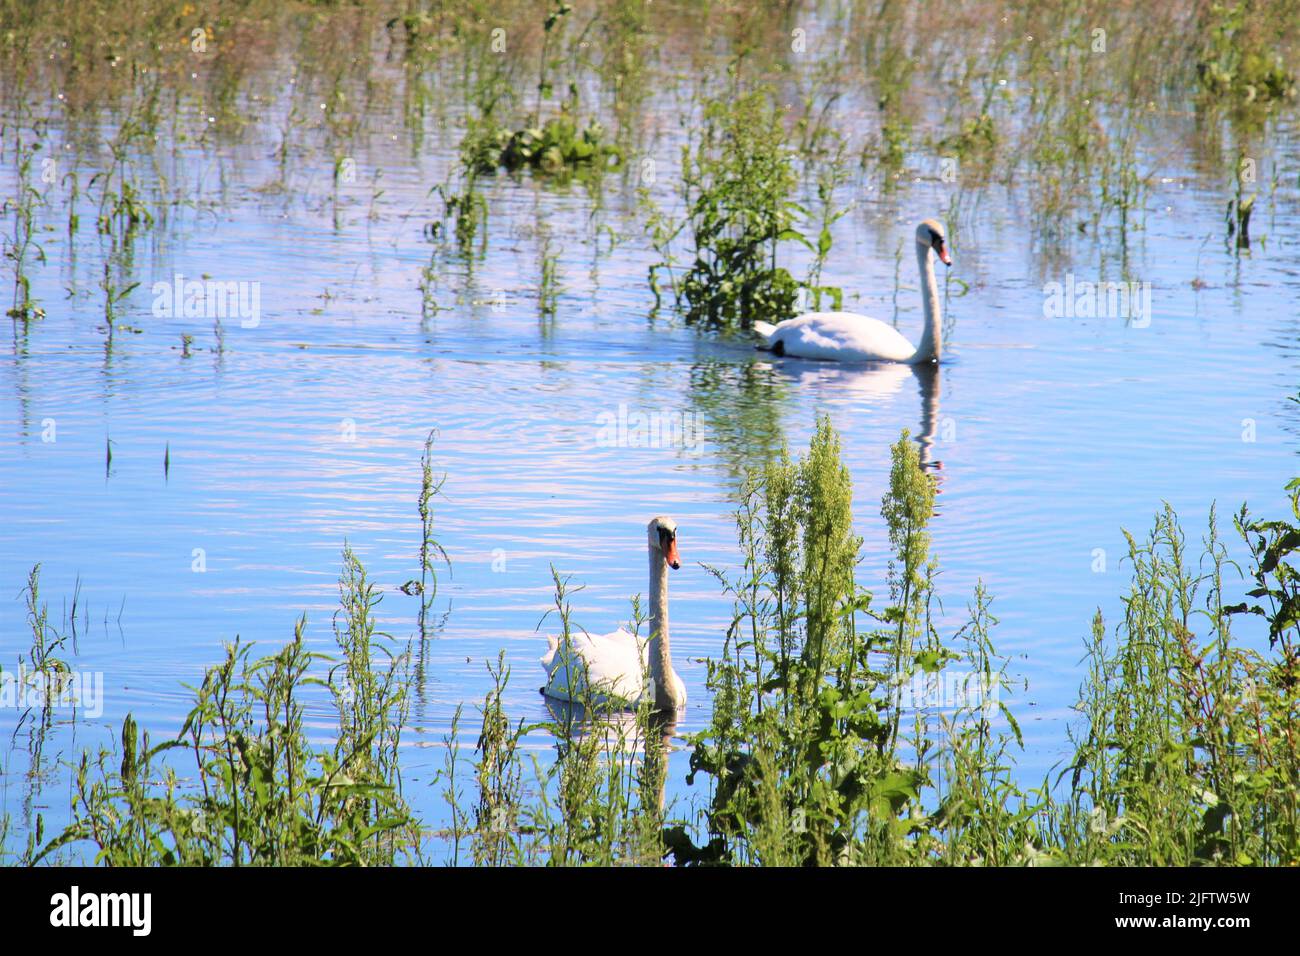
(929, 379)
(862, 386)
(618, 735)
(615, 729)
(740, 404)
(869, 388)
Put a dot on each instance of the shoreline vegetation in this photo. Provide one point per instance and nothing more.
(822, 748)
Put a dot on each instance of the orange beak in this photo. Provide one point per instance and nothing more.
(943, 255)
(671, 556)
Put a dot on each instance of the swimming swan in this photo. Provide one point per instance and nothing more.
(610, 668)
(849, 337)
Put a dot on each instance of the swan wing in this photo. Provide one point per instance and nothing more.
(841, 337)
(596, 667)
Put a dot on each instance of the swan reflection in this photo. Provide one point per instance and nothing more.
(617, 734)
(871, 384)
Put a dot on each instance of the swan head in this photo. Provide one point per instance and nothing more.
(930, 234)
(662, 534)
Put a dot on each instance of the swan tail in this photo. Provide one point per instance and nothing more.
(552, 647)
(764, 329)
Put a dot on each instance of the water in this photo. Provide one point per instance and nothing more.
(1049, 435)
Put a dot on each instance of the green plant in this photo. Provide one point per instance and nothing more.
(499, 775)
(113, 297)
(548, 288)
(469, 210)
(738, 189)
(597, 803)
(557, 147)
(1187, 753)
(803, 751)
(554, 18)
(21, 243)
(431, 552)
(46, 674)
(1237, 58)
(892, 72)
(976, 138)
(826, 744)
(256, 791)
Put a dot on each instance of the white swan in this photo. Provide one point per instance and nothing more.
(849, 337)
(611, 668)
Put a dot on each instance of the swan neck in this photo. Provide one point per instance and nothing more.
(932, 338)
(661, 663)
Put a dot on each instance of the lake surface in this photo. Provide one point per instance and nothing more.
(1048, 435)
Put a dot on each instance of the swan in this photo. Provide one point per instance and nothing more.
(849, 337)
(611, 668)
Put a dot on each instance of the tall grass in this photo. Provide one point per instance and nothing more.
(812, 756)
(241, 784)
(1187, 751)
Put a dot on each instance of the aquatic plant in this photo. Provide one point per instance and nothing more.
(498, 774)
(599, 801)
(469, 210)
(253, 789)
(1239, 58)
(804, 754)
(45, 673)
(1187, 752)
(842, 731)
(20, 245)
(556, 147)
(602, 799)
(113, 297)
(431, 552)
(548, 286)
(554, 18)
(892, 72)
(738, 189)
